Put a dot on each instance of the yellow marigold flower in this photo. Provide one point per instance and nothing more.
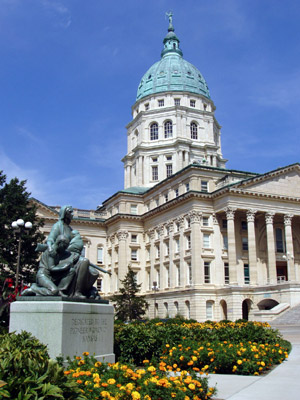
(192, 386)
(234, 368)
(87, 383)
(239, 362)
(98, 364)
(86, 353)
(151, 368)
(96, 385)
(181, 358)
(194, 358)
(147, 397)
(167, 345)
(173, 394)
(129, 386)
(104, 393)
(135, 395)
(262, 363)
(111, 381)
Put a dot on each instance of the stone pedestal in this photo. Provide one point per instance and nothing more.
(68, 328)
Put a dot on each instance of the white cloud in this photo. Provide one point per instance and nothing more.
(61, 12)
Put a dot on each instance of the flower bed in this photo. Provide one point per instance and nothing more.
(124, 382)
(242, 347)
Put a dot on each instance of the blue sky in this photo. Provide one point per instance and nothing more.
(70, 69)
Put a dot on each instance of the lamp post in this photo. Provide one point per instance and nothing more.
(155, 288)
(20, 226)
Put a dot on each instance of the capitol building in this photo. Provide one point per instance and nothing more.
(206, 242)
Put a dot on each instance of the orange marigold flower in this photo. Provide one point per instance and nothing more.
(86, 353)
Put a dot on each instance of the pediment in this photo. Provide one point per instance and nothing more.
(44, 211)
(281, 183)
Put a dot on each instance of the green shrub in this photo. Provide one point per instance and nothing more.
(26, 371)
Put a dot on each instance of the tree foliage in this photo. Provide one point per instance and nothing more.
(129, 306)
(15, 204)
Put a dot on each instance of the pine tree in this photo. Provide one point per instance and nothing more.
(128, 305)
(15, 204)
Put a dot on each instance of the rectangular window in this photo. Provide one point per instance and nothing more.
(166, 197)
(205, 221)
(244, 225)
(206, 272)
(245, 243)
(154, 159)
(148, 280)
(187, 187)
(133, 209)
(188, 223)
(209, 310)
(226, 273)
(177, 226)
(147, 106)
(206, 240)
(161, 103)
(154, 173)
(224, 223)
(169, 170)
(168, 158)
(134, 255)
(176, 192)
(99, 284)
(204, 186)
(177, 102)
(157, 252)
(192, 103)
(134, 238)
(188, 242)
(279, 240)
(190, 274)
(177, 246)
(178, 278)
(225, 242)
(167, 249)
(167, 277)
(100, 255)
(246, 274)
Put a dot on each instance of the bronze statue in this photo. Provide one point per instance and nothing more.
(62, 270)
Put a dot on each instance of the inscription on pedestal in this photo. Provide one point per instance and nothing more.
(89, 330)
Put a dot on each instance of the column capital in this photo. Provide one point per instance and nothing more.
(195, 216)
(151, 233)
(288, 219)
(215, 219)
(180, 221)
(122, 235)
(112, 238)
(170, 225)
(230, 211)
(251, 215)
(269, 217)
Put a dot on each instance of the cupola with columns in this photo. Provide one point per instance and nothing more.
(173, 120)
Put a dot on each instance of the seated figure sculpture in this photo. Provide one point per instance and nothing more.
(62, 270)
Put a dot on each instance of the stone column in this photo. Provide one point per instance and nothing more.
(181, 254)
(196, 248)
(114, 276)
(218, 246)
(289, 247)
(152, 256)
(161, 258)
(122, 261)
(170, 225)
(252, 246)
(271, 268)
(231, 245)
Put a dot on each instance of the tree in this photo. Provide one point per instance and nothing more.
(15, 204)
(128, 305)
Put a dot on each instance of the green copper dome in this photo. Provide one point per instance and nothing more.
(172, 72)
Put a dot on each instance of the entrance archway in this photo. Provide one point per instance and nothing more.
(246, 305)
(223, 305)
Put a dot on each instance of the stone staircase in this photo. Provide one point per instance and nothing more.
(290, 317)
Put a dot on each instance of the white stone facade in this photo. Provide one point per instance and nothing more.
(186, 132)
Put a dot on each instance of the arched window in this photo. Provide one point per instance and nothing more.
(168, 129)
(209, 309)
(194, 131)
(188, 309)
(154, 131)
